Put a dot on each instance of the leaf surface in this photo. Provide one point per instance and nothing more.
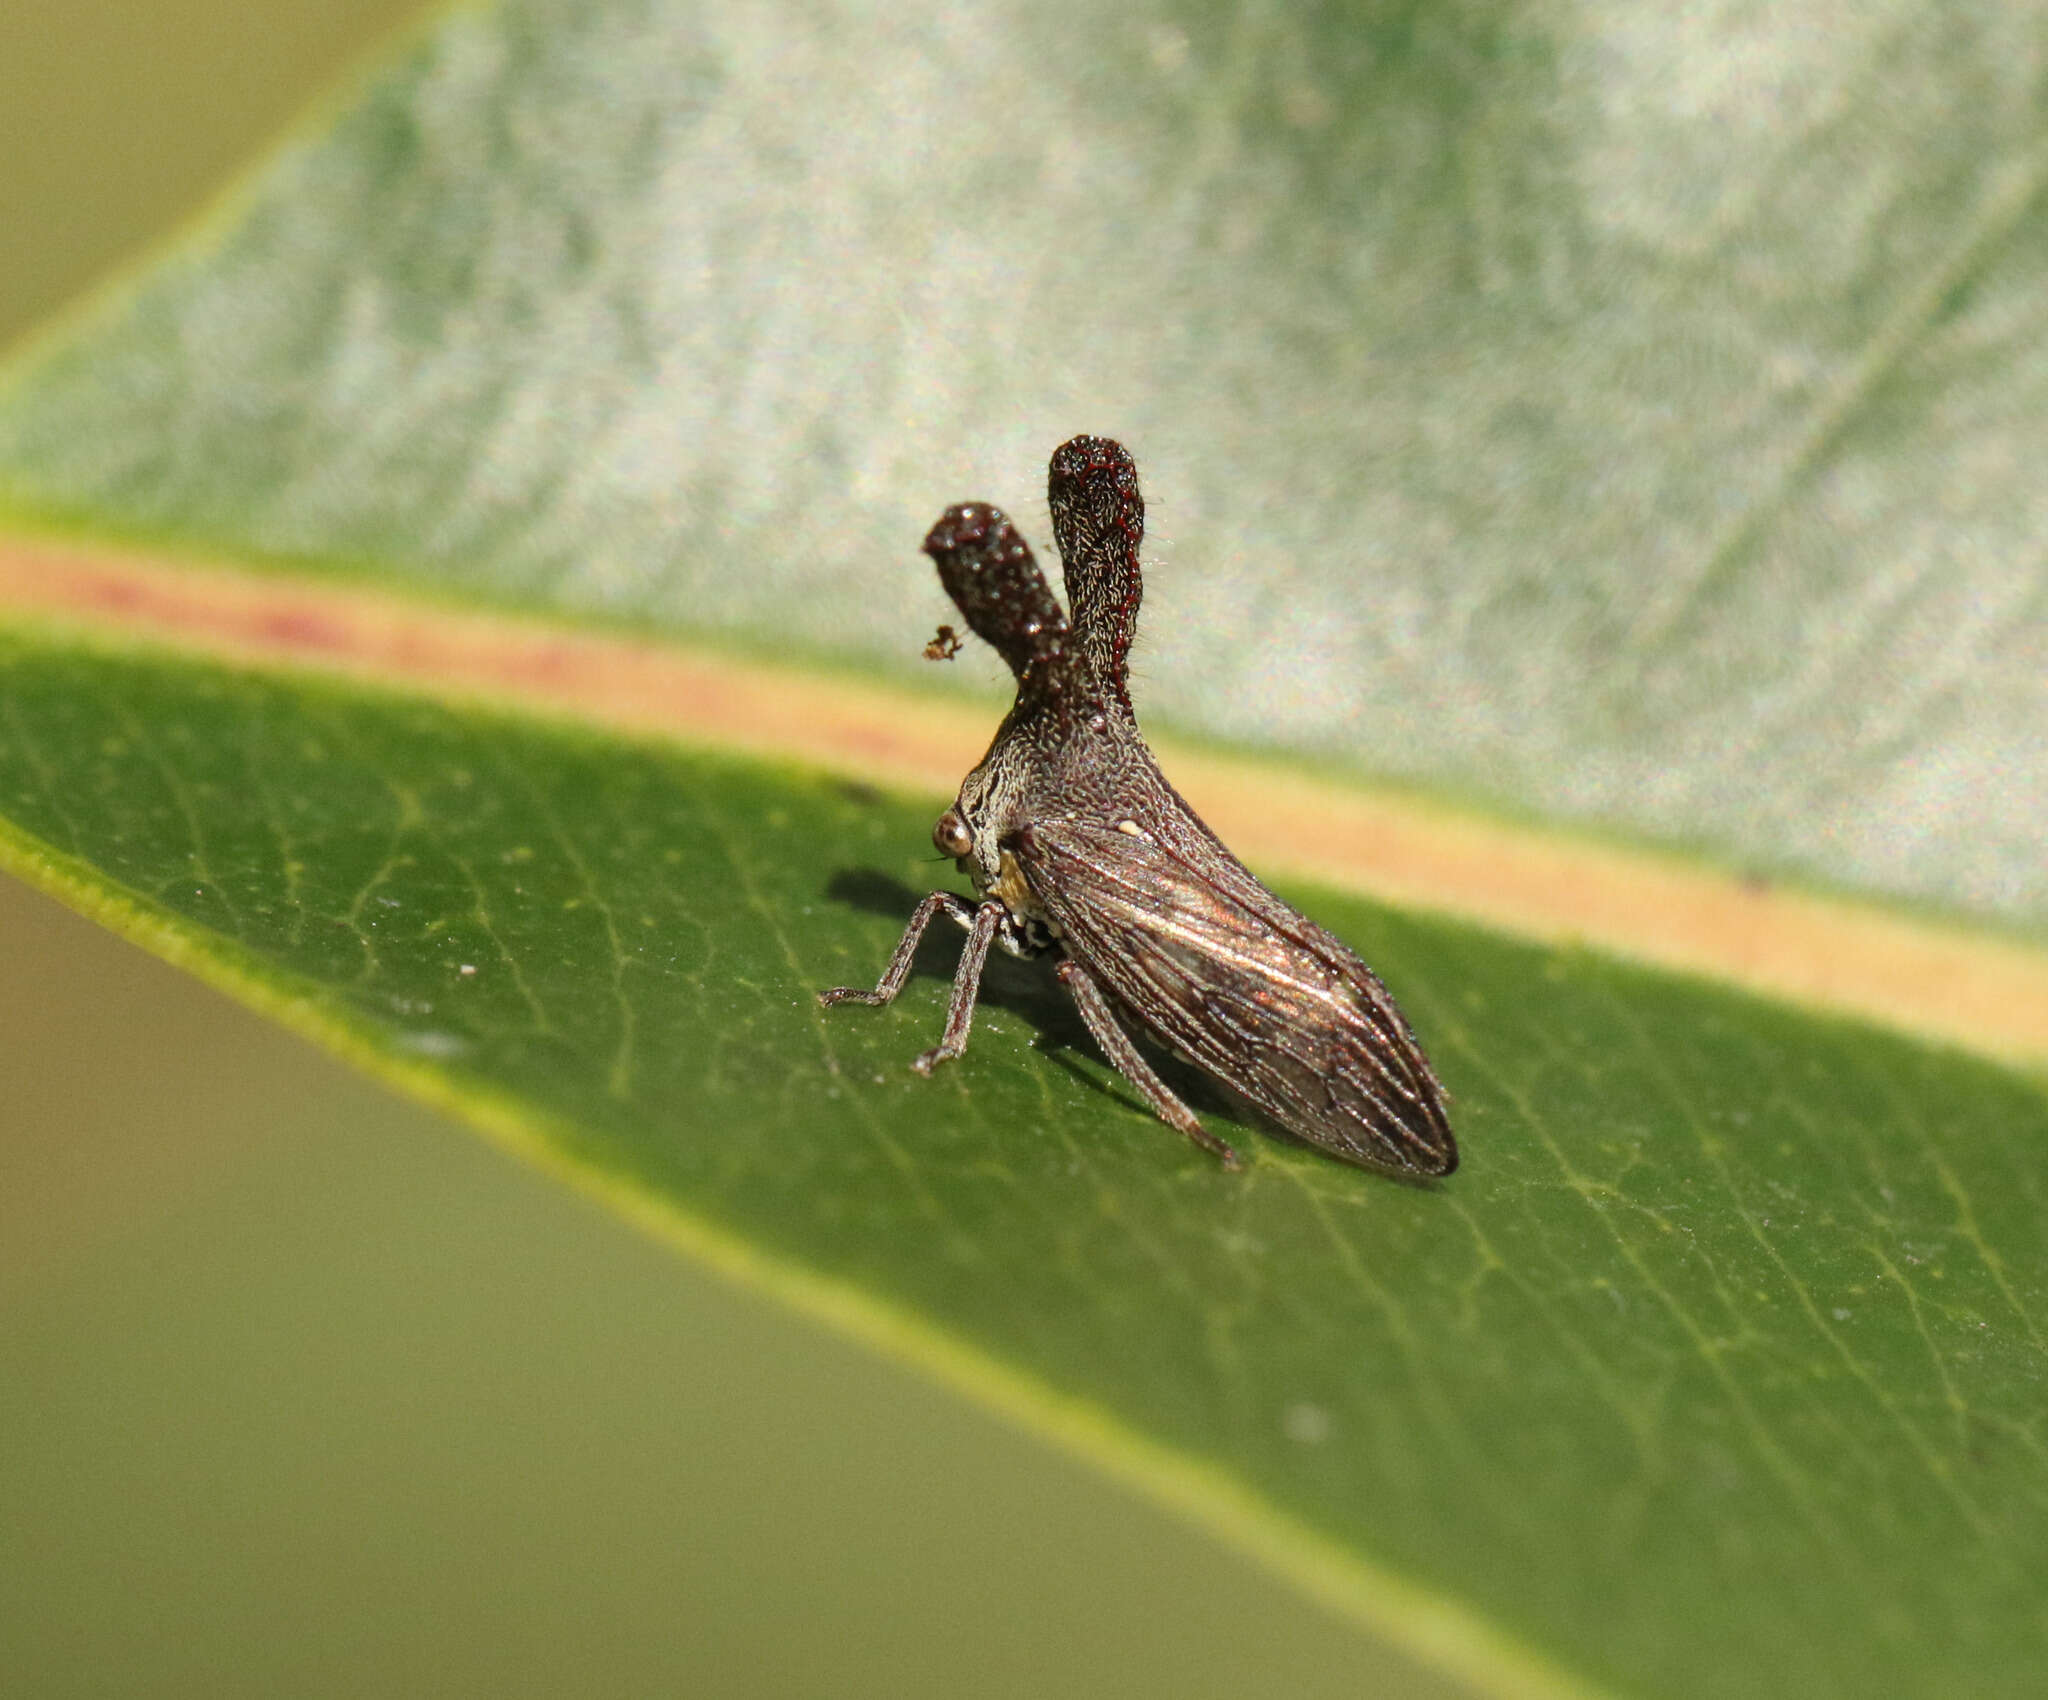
(1716, 1369)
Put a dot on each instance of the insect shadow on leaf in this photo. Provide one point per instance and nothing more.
(1079, 850)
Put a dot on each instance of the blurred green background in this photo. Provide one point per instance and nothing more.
(303, 1391)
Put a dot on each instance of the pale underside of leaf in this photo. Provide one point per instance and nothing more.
(1623, 413)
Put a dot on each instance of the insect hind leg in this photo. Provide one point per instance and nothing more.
(1125, 1057)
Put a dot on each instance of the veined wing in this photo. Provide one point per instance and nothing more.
(1218, 969)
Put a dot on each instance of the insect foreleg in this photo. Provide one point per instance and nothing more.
(898, 970)
(966, 986)
(1127, 1060)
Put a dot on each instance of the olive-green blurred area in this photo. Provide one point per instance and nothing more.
(304, 1392)
(118, 118)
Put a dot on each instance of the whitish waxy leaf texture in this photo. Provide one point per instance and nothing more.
(1629, 412)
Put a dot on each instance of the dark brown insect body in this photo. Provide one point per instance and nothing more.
(1079, 849)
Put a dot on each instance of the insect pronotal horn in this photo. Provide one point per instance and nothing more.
(1098, 520)
(989, 572)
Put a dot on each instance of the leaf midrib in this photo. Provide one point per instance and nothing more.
(1932, 979)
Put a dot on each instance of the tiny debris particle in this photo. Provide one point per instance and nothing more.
(467, 968)
(944, 646)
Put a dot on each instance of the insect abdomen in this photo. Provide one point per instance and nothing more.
(1215, 967)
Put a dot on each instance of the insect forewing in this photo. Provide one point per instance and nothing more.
(1220, 970)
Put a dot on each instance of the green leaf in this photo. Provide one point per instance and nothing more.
(1715, 1371)
(1629, 413)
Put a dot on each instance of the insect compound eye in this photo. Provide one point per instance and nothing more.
(952, 837)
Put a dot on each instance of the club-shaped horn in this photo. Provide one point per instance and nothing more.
(989, 572)
(1098, 520)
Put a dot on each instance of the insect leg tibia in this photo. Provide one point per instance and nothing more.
(1131, 1064)
(898, 970)
(966, 986)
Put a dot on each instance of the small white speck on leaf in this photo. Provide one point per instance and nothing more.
(434, 1044)
(1840, 1314)
(467, 968)
(1305, 1424)
(1167, 47)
